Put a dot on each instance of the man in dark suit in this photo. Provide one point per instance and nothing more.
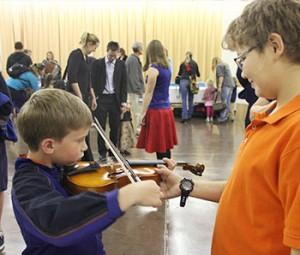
(109, 81)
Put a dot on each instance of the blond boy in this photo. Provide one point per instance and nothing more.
(54, 125)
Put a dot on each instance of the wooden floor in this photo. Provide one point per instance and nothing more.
(170, 229)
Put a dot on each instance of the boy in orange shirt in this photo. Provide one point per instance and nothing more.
(260, 203)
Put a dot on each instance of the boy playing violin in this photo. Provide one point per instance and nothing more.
(54, 124)
(259, 205)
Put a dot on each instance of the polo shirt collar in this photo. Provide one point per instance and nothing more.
(286, 110)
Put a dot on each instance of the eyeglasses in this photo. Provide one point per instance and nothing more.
(241, 58)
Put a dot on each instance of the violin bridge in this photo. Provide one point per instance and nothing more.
(114, 170)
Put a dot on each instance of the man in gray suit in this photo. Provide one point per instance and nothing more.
(136, 85)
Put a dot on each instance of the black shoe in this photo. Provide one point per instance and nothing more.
(102, 160)
(1, 242)
(113, 159)
(183, 121)
(127, 153)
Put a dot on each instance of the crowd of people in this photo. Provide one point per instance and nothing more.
(113, 88)
(109, 88)
(55, 124)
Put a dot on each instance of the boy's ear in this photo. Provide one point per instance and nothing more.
(47, 146)
(276, 42)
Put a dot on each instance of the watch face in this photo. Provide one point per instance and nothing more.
(187, 185)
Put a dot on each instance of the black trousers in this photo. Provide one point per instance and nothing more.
(108, 107)
(88, 154)
(161, 155)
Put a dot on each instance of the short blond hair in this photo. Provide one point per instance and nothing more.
(51, 113)
(89, 38)
(259, 19)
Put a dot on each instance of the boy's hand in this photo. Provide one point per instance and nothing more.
(171, 163)
(170, 182)
(146, 193)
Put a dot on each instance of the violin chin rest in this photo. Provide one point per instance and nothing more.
(78, 168)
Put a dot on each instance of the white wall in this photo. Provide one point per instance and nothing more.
(232, 10)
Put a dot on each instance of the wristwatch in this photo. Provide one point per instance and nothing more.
(186, 186)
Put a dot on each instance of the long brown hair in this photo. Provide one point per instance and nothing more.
(155, 53)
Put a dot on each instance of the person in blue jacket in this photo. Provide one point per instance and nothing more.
(20, 88)
(5, 111)
(54, 124)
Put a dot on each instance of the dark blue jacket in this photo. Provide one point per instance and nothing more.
(54, 223)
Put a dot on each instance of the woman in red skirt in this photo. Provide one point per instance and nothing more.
(158, 133)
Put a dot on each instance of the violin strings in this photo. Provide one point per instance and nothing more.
(127, 168)
(115, 154)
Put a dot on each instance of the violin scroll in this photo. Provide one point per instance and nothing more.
(198, 169)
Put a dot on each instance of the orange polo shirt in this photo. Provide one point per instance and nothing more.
(259, 211)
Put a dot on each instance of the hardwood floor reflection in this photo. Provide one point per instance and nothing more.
(170, 229)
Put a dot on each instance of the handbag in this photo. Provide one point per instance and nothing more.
(177, 79)
(127, 135)
(194, 86)
(218, 105)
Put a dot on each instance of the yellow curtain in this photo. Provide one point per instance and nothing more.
(57, 26)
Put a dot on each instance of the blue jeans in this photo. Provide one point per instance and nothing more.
(226, 93)
(187, 110)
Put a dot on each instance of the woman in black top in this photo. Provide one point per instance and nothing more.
(79, 76)
(248, 93)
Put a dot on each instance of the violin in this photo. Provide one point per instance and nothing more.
(90, 176)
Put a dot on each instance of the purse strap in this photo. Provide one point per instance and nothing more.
(218, 94)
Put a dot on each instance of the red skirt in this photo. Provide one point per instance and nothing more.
(159, 132)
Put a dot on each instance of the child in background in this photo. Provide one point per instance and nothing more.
(209, 98)
(24, 85)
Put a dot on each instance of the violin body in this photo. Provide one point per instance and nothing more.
(90, 176)
(105, 178)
